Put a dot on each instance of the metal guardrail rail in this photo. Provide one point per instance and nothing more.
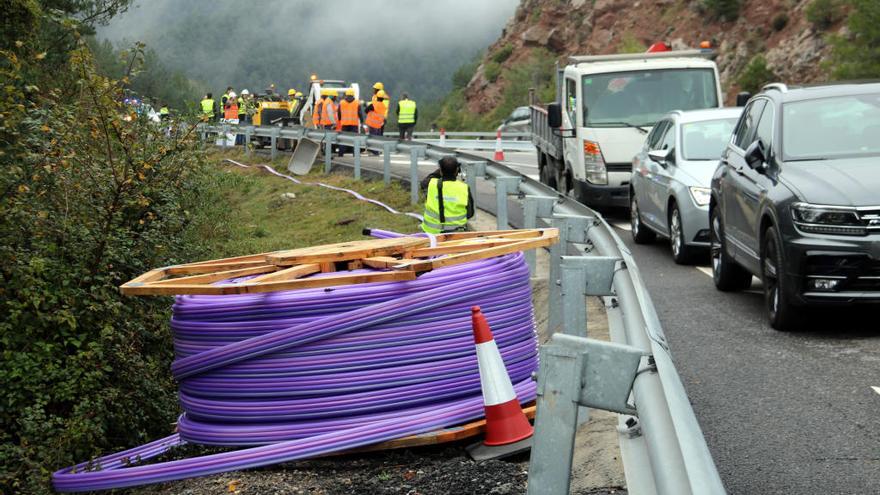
(662, 445)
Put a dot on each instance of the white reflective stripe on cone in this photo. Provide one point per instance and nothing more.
(494, 380)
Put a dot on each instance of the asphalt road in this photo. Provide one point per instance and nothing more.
(783, 413)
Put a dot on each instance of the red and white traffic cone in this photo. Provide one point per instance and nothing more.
(499, 150)
(442, 137)
(506, 424)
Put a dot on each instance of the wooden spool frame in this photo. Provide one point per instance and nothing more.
(389, 260)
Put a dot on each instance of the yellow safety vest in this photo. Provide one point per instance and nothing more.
(208, 106)
(455, 201)
(407, 112)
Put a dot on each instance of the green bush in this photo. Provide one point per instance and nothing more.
(725, 10)
(492, 70)
(755, 75)
(822, 14)
(503, 54)
(630, 44)
(90, 199)
(857, 56)
(462, 76)
(780, 21)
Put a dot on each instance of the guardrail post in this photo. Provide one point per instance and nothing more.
(386, 161)
(535, 207)
(357, 159)
(572, 228)
(225, 136)
(559, 386)
(328, 152)
(247, 140)
(414, 153)
(274, 139)
(504, 185)
(576, 371)
(472, 170)
(583, 276)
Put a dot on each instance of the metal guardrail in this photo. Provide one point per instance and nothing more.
(478, 135)
(481, 144)
(662, 446)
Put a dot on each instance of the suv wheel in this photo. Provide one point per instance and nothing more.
(781, 314)
(727, 275)
(682, 254)
(640, 233)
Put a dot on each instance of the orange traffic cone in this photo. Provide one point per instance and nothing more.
(499, 150)
(505, 421)
(442, 137)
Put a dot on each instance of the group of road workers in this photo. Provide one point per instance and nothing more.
(347, 115)
(449, 202)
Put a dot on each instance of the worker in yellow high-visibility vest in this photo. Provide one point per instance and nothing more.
(449, 203)
(407, 116)
(207, 106)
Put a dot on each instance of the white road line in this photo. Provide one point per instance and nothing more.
(876, 389)
(705, 269)
(622, 226)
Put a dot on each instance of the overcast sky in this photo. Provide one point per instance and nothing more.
(216, 40)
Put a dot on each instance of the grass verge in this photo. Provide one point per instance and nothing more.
(249, 214)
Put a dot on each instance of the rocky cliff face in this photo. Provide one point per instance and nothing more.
(778, 30)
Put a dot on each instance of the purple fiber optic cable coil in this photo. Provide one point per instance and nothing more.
(296, 374)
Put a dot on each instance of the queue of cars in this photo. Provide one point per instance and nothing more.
(786, 189)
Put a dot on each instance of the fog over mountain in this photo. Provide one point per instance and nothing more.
(412, 45)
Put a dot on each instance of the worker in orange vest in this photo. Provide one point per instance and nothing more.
(230, 108)
(376, 112)
(328, 110)
(316, 111)
(350, 117)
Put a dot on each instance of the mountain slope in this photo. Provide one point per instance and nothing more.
(756, 40)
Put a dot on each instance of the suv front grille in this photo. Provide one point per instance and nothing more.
(871, 217)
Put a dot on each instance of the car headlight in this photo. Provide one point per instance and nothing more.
(827, 220)
(700, 195)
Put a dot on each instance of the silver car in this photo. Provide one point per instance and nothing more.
(671, 175)
(520, 120)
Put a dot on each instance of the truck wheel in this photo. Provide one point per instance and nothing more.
(727, 275)
(781, 313)
(548, 173)
(640, 233)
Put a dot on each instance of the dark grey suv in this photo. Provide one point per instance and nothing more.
(795, 200)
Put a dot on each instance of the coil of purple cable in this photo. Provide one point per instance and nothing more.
(298, 374)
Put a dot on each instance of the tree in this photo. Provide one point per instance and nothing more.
(857, 55)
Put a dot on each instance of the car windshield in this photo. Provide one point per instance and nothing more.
(706, 140)
(835, 127)
(641, 98)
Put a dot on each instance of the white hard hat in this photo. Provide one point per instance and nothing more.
(232, 94)
(245, 92)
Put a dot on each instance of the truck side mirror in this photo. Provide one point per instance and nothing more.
(742, 98)
(554, 115)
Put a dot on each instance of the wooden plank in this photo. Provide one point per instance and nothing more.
(205, 267)
(252, 288)
(327, 266)
(380, 262)
(291, 273)
(347, 251)
(458, 247)
(455, 259)
(452, 434)
(216, 276)
(508, 234)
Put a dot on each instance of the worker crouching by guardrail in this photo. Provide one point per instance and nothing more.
(449, 203)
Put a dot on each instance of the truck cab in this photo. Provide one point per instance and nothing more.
(606, 106)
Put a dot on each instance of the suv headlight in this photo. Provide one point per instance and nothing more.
(827, 220)
(700, 195)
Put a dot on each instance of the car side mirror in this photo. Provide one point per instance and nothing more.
(755, 156)
(743, 98)
(554, 115)
(659, 156)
